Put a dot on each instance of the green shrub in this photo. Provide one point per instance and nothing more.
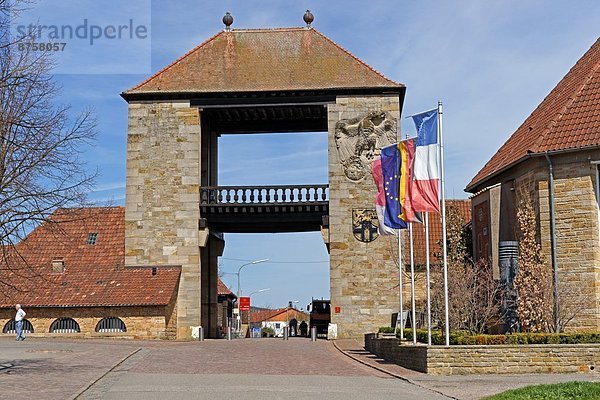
(468, 339)
(517, 338)
(386, 329)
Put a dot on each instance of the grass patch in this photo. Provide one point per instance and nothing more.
(559, 391)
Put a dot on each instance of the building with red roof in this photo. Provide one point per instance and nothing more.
(276, 319)
(243, 81)
(463, 207)
(225, 300)
(552, 158)
(263, 60)
(69, 276)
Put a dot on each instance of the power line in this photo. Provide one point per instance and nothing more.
(278, 262)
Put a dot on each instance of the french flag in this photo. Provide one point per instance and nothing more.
(426, 172)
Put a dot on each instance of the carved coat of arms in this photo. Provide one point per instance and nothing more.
(358, 139)
(364, 224)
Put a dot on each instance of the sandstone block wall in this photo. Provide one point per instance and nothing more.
(363, 276)
(577, 232)
(463, 360)
(411, 357)
(148, 322)
(162, 197)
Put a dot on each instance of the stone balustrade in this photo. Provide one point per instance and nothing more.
(235, 195)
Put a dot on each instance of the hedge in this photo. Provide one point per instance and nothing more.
(466, 338)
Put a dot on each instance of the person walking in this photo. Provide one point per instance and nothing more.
(19, 322)
(303, 328)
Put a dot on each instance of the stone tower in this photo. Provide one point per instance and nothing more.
(261, 80)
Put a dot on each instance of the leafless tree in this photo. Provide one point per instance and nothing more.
(534, 280)
(473, 294)
(40, 140)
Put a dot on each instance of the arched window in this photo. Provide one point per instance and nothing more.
(65, 325)
(111, 324)
(10, 327)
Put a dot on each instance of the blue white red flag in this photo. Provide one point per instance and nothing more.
(426, 173)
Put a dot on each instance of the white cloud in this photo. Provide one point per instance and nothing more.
(108, 186)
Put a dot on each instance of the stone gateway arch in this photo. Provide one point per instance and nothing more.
(260, 81)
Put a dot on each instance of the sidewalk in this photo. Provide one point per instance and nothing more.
(464, 387)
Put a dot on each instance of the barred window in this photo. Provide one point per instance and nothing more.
(65, 325)
(111, 325)
(10, 327)
(92, 237)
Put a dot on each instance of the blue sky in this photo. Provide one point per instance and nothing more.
(491, 63)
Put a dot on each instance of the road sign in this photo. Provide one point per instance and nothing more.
(244, 303)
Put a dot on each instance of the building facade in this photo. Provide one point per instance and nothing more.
(260, 81)
(552, 159)
(69, 276)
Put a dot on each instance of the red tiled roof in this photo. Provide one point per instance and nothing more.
(251, 60)
(93, 274)
(263, 315)
(435, 235)
(223, 290)
(278, 314)
(568, 118)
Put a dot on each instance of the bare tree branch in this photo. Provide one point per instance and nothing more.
(40, 144)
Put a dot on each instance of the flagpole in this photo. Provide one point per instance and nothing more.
(444, 239)
(401, 314)
(412, 285)
(428, 285)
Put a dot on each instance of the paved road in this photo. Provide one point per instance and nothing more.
(54, 368)
(241, 369)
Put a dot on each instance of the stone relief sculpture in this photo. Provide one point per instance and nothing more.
(359, 139)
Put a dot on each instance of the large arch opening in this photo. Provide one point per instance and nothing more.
(298, 266)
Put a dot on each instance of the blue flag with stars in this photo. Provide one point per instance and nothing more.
(391, 167)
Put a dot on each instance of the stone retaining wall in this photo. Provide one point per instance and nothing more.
(501, 359)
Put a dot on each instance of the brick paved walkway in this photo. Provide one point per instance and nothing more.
(55, 369)
(297, 356)
(248, 369)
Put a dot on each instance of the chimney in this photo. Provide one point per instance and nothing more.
(58, 265)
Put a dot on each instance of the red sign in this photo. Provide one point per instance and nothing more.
(338, 309)
(244, 303)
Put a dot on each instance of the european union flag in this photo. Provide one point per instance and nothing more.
(391, 166)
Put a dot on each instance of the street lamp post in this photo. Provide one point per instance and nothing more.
(238, 288)
(250, 295)
(240, 270)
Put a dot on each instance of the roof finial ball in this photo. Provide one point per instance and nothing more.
(228, 20)
(308, 18)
